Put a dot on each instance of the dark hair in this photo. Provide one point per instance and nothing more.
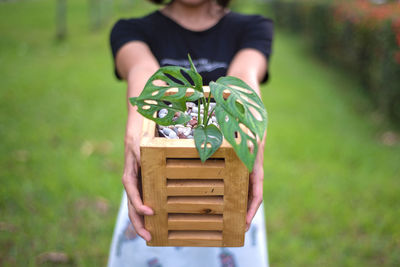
(223, 3)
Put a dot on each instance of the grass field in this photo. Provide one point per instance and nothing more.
(331, 184)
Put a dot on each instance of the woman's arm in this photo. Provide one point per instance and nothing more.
(135, 63)
(250, 65)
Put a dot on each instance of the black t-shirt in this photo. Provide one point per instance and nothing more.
(211, 50)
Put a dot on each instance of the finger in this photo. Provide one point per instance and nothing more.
(138, 223)
(255, 200)
(255, 203)
(132, 191)
(130, 182)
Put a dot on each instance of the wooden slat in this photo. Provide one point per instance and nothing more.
(195, 222)
(193, 187)
(203, 205)
(178, 145)
(195, 235)
(235, 201)
(194, 168)
(194, 243)
(190, 152)
(195, 163)
(195, 238)
(148, 130)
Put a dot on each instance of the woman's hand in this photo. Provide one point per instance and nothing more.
(255, 192)
(131, 181)
(135, 63)
(250, 65)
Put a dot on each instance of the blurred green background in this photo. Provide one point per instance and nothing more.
(332, 160)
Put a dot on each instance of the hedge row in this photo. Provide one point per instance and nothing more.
(360, 36)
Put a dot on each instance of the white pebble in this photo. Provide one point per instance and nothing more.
(187, 131)
(167, 131)
(172, 135)
(172, 131)
(162, 113)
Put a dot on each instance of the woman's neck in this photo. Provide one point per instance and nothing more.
(196, 17)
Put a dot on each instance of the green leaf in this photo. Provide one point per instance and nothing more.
(155, 97)
(149, 110)
(242, 106)
(207, 140)
(230, 127)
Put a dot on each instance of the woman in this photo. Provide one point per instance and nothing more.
(221, 43)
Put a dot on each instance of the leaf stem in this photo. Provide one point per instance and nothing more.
(198, 113)
(206, 117)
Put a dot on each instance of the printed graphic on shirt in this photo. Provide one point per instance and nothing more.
(253, 230)
(202, 64)
(153, 263)
(128, 234)
(226, 258)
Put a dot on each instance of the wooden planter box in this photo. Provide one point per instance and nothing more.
(195, 204)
